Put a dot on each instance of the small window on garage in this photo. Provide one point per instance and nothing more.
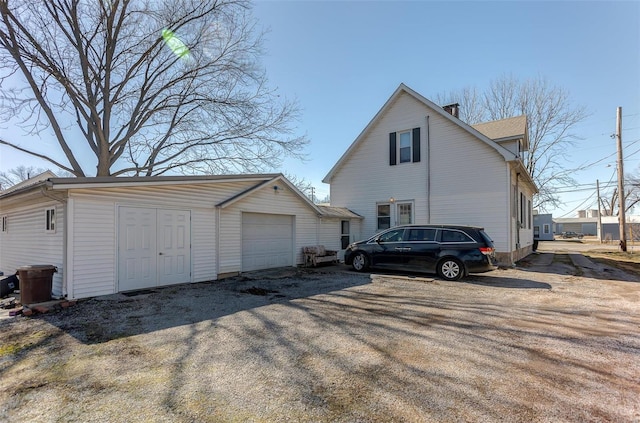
(50, 224)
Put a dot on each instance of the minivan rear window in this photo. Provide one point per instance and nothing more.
(455, 236)
(486, 238)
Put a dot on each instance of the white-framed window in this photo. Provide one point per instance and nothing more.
(383, 214)
(405, 213)
(4, 223)
(405, 146)
(50, 220)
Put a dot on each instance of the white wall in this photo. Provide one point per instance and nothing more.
(265, 200)
(93, 243)
(469, 179)
(26, 241)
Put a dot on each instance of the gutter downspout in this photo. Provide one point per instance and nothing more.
(518, 212)
(428, 171)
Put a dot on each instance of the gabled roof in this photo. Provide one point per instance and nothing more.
(508, 155)
(279, 178)
(512, 128)
(28, 183)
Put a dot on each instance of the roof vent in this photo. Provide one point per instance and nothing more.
(452, 109)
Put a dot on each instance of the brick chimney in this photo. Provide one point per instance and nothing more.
(452, 109)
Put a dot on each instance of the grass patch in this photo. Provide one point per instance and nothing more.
(625, 261)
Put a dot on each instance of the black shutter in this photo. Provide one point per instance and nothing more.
(392, 148)
(416, 144)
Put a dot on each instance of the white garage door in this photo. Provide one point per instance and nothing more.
(267, 241)
(154, 247)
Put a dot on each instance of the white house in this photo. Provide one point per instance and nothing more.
(110, 234)
(416, 162)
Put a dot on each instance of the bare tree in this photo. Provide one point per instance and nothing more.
(302, 184)
(17, 175)
(610, 203)
(149, 86)
(21, 173)
(551, 118)
(470, 100)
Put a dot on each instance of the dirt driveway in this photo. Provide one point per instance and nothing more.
(548, 341)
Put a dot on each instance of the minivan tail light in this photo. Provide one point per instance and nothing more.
(487, 251)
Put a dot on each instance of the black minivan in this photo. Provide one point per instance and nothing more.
(451, 251)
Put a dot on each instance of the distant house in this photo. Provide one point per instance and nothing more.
(110, 234)
(543, 227)
(416, 162)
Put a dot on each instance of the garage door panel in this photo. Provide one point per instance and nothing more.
(267, 241)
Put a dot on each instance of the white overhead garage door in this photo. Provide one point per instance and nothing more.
(267, 241)
(154, 247)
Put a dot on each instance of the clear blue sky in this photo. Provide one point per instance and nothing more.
(342, 60)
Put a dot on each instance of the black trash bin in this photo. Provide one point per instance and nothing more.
(8, 284)
(35, 283)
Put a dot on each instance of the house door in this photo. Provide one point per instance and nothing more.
(345, 235)
(154, 247)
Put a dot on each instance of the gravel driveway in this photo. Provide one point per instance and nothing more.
(547, 341)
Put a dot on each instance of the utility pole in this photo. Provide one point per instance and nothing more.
(313, 194)
(621, 207)
(599, 228)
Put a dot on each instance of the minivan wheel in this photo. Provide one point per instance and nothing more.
(360, 262)
(450, 269)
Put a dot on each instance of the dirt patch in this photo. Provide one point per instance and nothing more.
(534, 343)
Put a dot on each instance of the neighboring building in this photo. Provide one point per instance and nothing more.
(588, 226)
(111, 234)
(611, 228)
(542, 227)
(418, 163)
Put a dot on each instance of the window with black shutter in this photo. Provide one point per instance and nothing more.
(404, 147)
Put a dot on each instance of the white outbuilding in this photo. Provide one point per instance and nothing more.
(113, 234)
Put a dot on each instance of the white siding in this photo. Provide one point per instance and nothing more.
(469, 179)
(329, 233)
(93, 247)
(265, 200)
(94, 243)
(26, 242)
(469, 182)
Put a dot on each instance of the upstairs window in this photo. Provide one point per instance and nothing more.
(50, 224)
(404, 146)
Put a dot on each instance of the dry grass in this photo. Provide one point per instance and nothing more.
(629, 262)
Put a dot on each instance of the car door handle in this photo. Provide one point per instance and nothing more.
(406, 249)
(160, 254)
(399, 249)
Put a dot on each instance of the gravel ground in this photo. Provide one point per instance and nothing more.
(555, 339)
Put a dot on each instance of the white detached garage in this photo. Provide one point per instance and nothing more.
(120, 234)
